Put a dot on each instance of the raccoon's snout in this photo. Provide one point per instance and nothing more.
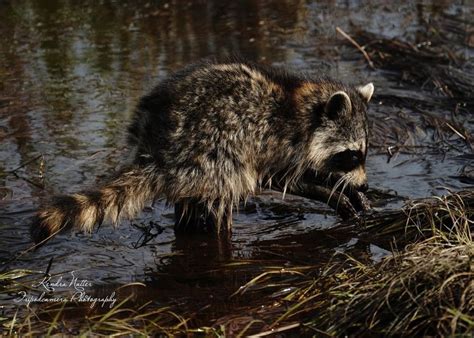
(358, 179)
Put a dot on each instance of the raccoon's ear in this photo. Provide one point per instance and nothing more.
(366, 91)
(338, 104)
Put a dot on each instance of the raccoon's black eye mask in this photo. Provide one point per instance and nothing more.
(347, 160)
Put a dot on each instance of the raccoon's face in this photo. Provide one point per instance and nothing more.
(343, 139)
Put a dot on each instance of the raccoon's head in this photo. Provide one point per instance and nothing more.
(339, 145)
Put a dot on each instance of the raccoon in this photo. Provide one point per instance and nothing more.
(212, 134)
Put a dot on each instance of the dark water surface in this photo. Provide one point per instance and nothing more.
(71, 73)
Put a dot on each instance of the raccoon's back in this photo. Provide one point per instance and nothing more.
(202, 106)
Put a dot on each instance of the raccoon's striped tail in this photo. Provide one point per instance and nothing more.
(122, 196)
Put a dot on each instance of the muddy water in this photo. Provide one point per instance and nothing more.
(72, 72)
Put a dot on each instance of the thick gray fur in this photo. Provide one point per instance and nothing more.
(214, 133)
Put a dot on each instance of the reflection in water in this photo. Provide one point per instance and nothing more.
(71, 73)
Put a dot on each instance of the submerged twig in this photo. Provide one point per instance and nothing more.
(359, 47)
(25, 164)
(456, 131)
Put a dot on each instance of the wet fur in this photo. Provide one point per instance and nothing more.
(213, 133)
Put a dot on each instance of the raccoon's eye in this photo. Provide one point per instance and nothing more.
(347, 160)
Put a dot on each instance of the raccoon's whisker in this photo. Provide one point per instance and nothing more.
(338, 183)
(346, 184)
(293, 173)
(334, 188)
(342, 191)
(328, 179)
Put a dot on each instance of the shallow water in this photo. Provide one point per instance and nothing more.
(71, 74)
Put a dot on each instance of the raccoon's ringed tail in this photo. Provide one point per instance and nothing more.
(123, 196)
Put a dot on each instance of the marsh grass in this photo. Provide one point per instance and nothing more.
(428, 63)
(127, 317)
(424, 288)
(69, 319)
(446, 216)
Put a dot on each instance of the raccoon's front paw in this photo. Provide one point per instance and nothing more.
(348, 203)
(359, 201)
(340, 202)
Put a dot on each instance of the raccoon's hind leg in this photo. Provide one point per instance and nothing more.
(192, 215)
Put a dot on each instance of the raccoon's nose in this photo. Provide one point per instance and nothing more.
(364, 187)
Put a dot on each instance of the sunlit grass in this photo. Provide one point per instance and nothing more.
(125, 318)
(67, 318)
